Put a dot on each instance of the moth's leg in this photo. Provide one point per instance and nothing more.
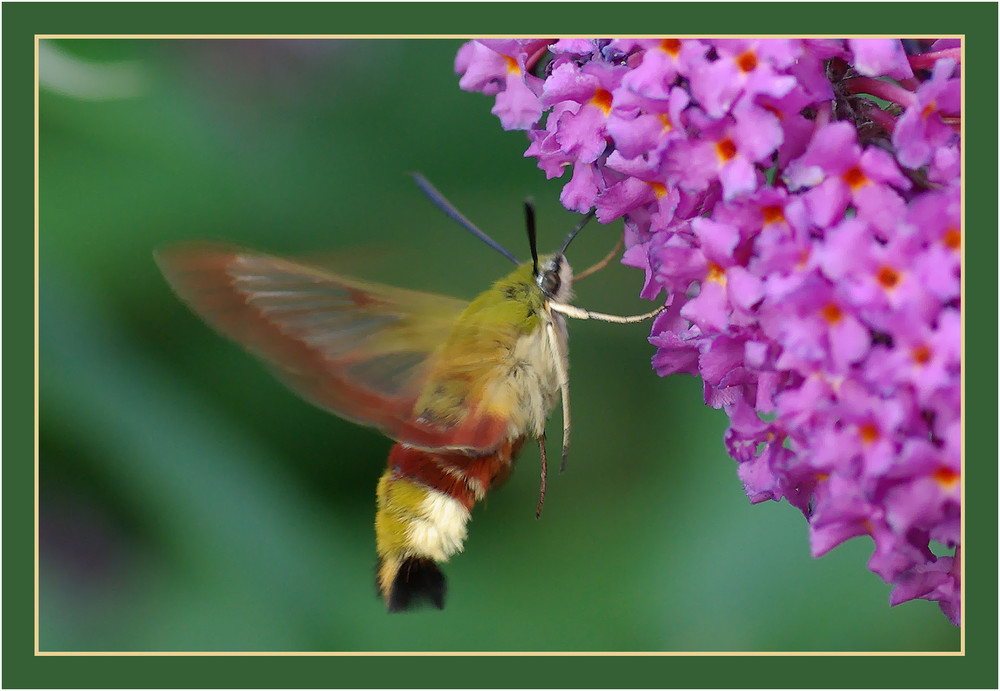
(601, 264)
(559, 358)
(545, 472)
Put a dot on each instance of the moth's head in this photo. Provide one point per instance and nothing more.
(552, 274)
(554, 277)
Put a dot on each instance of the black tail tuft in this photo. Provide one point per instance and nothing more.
(418, 581)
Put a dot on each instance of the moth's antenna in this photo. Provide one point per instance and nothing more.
(529, 217)
(453, 213)
(572, 233)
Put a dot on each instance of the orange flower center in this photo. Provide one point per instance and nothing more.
(888, 277)
(952, 239)
(659, 189)
(602, 99)
(725, 149)
(832, 313)
(671, 46)
(512, 65)
(921, 354)
(716, 273)
(773, 214)
(855, 178)
(664, 119)
(868, 432)
(747, 62)
(946, 477)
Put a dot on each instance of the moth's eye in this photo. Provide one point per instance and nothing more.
(549, 282)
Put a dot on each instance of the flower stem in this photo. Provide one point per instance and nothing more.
(880, 89)
(532, 59)
(925, 61)
(881, 118)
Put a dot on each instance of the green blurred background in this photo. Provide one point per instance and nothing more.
(189, 502)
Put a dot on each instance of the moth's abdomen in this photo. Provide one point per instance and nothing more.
(424, 501)
(417, 581)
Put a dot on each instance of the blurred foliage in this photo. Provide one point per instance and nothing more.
(189, 502)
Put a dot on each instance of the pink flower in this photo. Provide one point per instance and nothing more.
(838, 173)
(876, 57)
(811, 271)
(498, 68)
(922, 130)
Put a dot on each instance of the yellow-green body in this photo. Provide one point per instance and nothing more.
(498, 367)
(496, 360)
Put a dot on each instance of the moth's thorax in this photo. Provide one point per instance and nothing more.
(497, 360)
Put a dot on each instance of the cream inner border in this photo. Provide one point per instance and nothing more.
(37, 652)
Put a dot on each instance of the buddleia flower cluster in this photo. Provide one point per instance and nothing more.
(797, 202)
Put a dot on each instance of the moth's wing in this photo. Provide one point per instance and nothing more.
(361, 350)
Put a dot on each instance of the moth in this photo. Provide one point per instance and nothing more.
(459, 386)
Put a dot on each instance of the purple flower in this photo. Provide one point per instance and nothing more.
(655, 64)
(499, 67)
(743, 69)
(928, 124)
(808, 241)
(839, 173)
(642, 127)
(876, 57)
(585, 100)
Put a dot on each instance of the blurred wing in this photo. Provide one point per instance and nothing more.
(361, 350)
